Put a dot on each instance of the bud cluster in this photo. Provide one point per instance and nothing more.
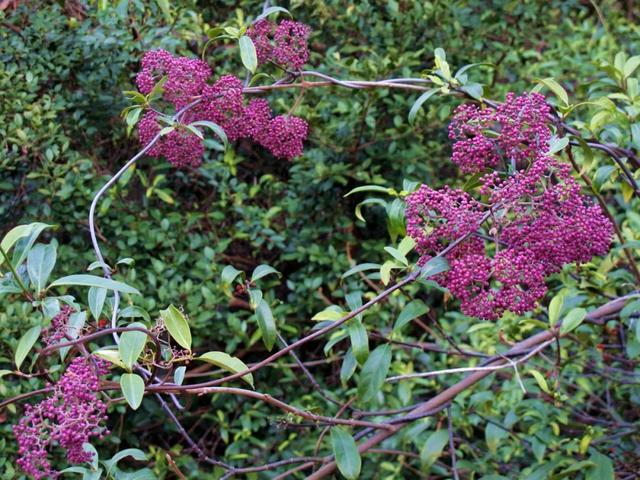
(538, 221)
(68, 418)
(223, 103)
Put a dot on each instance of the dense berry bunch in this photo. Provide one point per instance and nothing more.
(538, 219)
(435, 218)
(68, 418)
(283, 136)
(184, 78)
(512, 134)
(223, 103)
(284, 44)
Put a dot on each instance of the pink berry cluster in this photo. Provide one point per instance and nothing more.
(284, 43)
(58, 329)
(512, 134)
(538, 220)
(68, 418)
(223, 103)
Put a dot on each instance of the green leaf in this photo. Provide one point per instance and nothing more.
(396, 219)
(255, 297)
(463, 69)
(96, 298)
(603, 469)
(24, 244)
(572, 320)
(98, 264)
(556, 88)
(262, 271)
(359, 340)
(631, 65)
(433, 447)
(331, 313)
(348, 367)
(406, 245)
(215, 128)
(555, 307)
(542, 382)
(374, 373)
(132, 386)
(266, 324)
(134, 453)
(558, 144)
(363, 267)
(229, 274)
(132, 117)
(25, 345)
(21, 231)
(228, 363)
(493, 435)
(411, 311)
(166, 11)
(346, 453)
(248, 53)
(134, 312)
(434, 266)
(177, 325)
(602, 175)
(178, 375)
(419, 102)
(385, 271)
(131, 345)
(40, 262)
(94, 281)
(371, 188)
(111, 355)
(368, 201)
(399, 256)
(268, 11)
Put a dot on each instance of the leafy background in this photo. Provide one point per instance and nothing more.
(62, 70)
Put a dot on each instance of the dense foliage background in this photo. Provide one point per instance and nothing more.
(63, 68)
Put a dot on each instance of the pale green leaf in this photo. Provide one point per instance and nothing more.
(248, 53)
(25, 344)
(228, 363)
(132, 386)
(94, 281)
(177, 325)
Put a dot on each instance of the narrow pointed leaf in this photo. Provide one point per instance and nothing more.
(374, 372)
(25, 345)
(228, 363)
(266, 324)
(94, 281)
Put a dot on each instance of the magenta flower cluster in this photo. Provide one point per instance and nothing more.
(284, 44)
(68, 418)
(223, 103)
(515, 132)
(58, 329)
(537, 219)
